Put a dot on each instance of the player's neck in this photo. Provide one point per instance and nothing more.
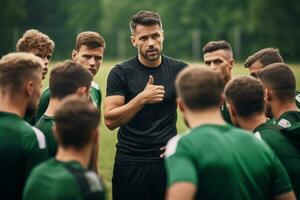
(252, 122)
(53, 103)
(201, 117)
(71, 154)
(14, 105)
(280, 108)
(148, 63)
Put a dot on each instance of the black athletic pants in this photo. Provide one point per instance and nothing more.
(139, 180)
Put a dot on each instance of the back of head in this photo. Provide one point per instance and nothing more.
(90, 39)
(75, 120)
(16, 68)
(265, 56)
(216, 45)
(200, 88)
(246, 95)
(279, 78)
(34, 39)
(67, 77)
(145, 18)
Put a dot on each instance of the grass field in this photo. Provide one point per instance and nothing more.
(108, 138)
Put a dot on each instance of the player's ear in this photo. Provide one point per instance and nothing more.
(29, 88)
(231, 61)
(133, 40)
(74, 54)
(268, 95)
(180, 104)
(231, 109)
(95, 136)
(82, 91)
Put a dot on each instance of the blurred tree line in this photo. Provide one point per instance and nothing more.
(188, 25)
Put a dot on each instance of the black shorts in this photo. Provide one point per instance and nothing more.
(139, 180)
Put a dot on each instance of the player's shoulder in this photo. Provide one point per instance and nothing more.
(33, 136)
(129, 63)
(172, 144)
(42, 168)
(173, 61)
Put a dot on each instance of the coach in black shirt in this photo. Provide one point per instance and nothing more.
(141, 100)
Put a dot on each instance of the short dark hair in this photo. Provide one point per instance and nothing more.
(15, 68)
(279, 78)
(75, 119)
(200, 87)
(246, 94)
(265, 56)
(216, 45)
(67, 77)
(34, 39)
(145, 18)
(90, 39)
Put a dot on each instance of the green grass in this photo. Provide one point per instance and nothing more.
(108, 139)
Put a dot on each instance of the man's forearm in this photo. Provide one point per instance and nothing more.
(123, 114)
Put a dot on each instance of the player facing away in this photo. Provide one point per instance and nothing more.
(218, 56)
(141, 100)
(215, 160)
(67, 176)
(245, 97)
(21, 146)
(263, 58)
(62, 84)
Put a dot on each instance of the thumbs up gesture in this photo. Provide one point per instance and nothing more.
(153, 93)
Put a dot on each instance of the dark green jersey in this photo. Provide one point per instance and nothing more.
(288, 119)
(225, 113)
(21, 148)
(57, 180)
(95, 95)
(45, 124)
(225, 162)
(284, 149)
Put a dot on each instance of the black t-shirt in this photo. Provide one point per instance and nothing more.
(142, 137)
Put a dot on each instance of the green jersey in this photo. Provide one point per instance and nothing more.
(57, 180)
(284, 149)
(288, 119)
(21, 148)
(45, 124)
(95, 95)
(225, 162)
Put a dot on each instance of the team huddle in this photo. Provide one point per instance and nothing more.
(243, 139)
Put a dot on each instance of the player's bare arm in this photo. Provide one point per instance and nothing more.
(117, 113)
(286, 196)
(181, 191)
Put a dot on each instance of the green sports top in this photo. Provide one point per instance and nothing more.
(21, 148)
(95, 95)
(45, 124)
(54, 180)
(288, 119)
(225, 162)
(284, 149)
